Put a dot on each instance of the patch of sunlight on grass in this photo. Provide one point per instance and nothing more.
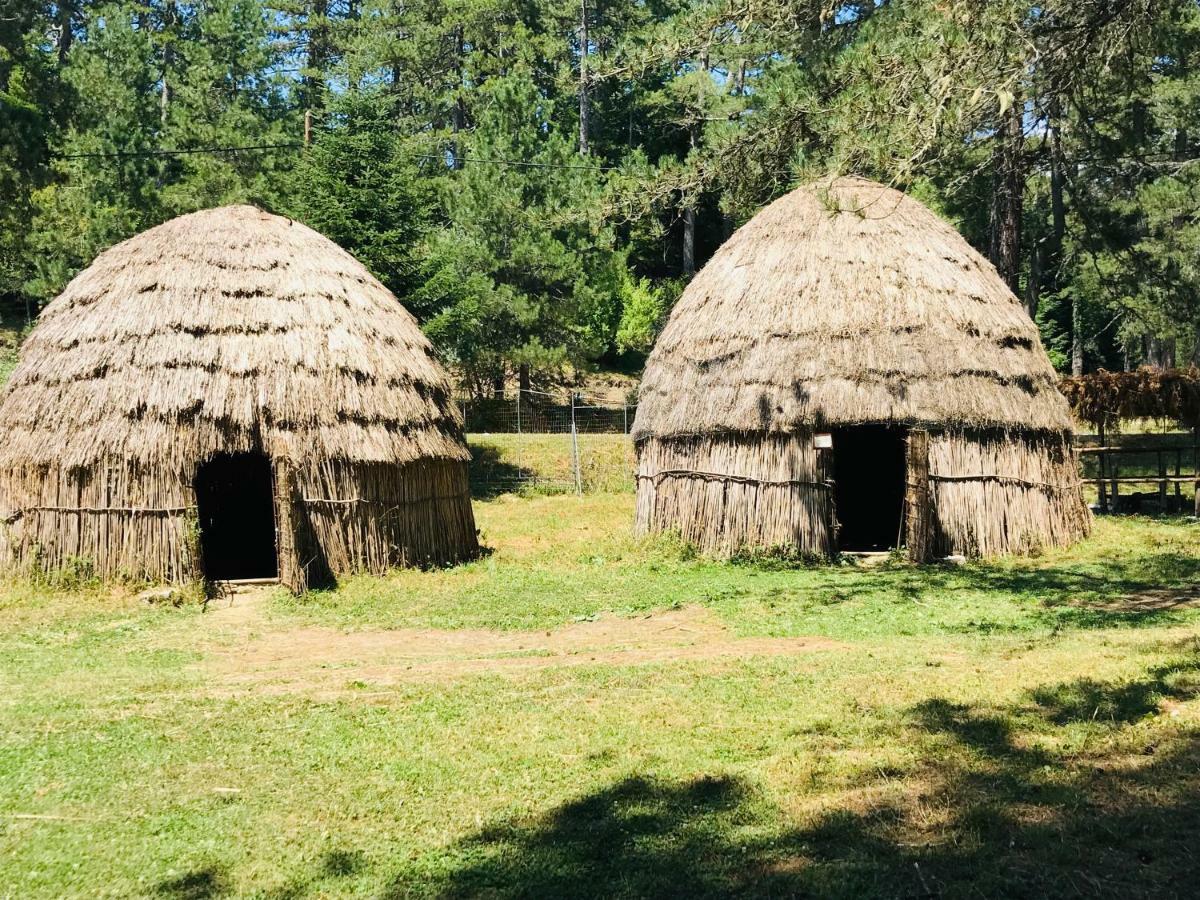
(556, 558)
(1022, 727)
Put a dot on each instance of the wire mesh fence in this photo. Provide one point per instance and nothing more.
(565, 441)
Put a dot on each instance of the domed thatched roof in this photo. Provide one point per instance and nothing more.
(227, 330)
(843, 303)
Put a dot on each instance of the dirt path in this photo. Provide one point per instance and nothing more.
(249, 654)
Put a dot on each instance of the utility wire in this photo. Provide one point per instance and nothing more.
(515, 163)
(447, 158)
(119, 154)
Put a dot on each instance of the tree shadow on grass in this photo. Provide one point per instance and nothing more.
(491, 475)
(211, 881)
(1036, 798)
(1150, 589)
(198, 884)
(640, 837)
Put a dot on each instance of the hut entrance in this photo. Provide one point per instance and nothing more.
(236, 506)
(869, 476)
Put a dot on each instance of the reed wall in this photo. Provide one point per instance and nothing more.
(128, 522)
(123, 520)
(372, 517)
(992, 493)
(726, 493)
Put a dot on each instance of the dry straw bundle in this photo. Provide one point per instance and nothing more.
(229, 330)
(1104, 398)
(847, 303)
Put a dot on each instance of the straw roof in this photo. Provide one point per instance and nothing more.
(847, 302)
(227, 330)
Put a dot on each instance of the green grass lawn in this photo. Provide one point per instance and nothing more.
(11, 329)
(1016, 728)
(544, 463)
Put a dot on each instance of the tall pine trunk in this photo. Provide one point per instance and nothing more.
(1058, 211)
(170, 17)
(584, 112)
(458, 113)
(66, 34)
(1160, 352)
(318, 55)
(689, 238)
(1008, 190)
(1007, 198)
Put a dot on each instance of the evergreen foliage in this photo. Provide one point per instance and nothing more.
(534, 178)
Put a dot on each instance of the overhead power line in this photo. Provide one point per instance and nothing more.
(435, 157)
(515, 163)
(119, 154)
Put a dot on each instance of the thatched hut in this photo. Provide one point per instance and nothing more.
(231, 395)
(846, 373)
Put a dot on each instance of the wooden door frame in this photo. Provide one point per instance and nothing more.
(918, 498)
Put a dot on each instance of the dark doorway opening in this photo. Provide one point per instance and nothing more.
(869, 474)
(236, 505)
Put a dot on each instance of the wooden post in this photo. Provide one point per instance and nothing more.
(292, 574)
(575, 449)
(1162, 483)
(583, 79)
(520, 461)
(1115, 488)
(1196, 465)
(918, 500)
(1100, 473)
(1178, 474)
(825, 476)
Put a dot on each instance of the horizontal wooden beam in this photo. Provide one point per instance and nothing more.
(1086, 451)
(1148, 479)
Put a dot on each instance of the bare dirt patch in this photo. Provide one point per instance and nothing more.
(1162, 598)
(249, 654)
(1156, 600)
(237, 607)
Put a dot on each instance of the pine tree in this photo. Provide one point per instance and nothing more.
(147, 78)
(521, 274)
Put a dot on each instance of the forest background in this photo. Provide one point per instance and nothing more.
(538, 179)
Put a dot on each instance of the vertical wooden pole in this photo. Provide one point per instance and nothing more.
(1100, 474)
(575, 449)
(292, 574)
(583, 79)
(1196, 466)
(918, 499)
(825, 475)
(1162, 484)
(520, 392)
(1178, 483)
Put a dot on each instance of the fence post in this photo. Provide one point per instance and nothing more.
(575, 449)
(520, 468)
(1162, 484)
(629, 469)
(1196, 465)
(1178, 475)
